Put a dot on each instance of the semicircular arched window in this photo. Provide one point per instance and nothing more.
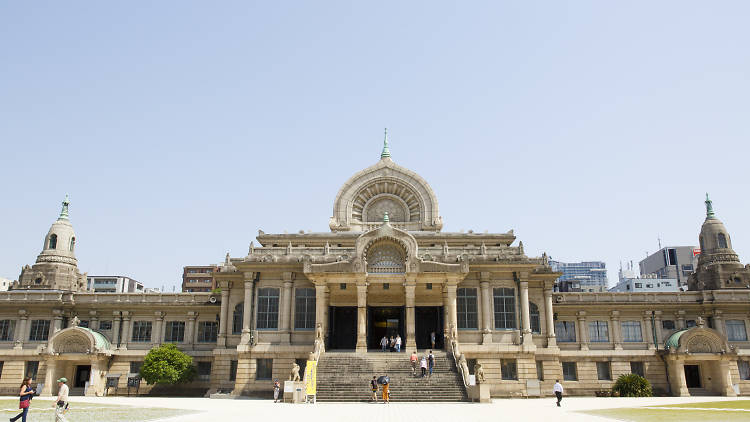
(72, 243)
(722, 241)
(53, 241)
(385, 258)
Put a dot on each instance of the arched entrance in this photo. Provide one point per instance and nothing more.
(80, 355)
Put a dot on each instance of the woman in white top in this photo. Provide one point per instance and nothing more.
(423, 365)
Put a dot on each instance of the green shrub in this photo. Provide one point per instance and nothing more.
(166, 364)
(632, 385)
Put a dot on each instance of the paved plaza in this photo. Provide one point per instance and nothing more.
(243, 410)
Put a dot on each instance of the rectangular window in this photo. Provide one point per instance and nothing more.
(264, 369)
(505, 308)
(540, 370)
(598, 332)
(268, 309)
(304, 309)
(565, 331)
(105, 325)
(84, 323)
(32, 367)
(207, 331)
(744, 367)
(508, 369)
(135, 367)
(6, 330)
(174, 332)
(637, 368)
(342, 286)
(386, 286)
(667, 324)
(631, 331)
(638, 285)
(736, 330)
(39, 330)
(233, 370)
(690, 323)
(1, 368)
(141, 331)
(603, 371)
(204, 371)
(569, 371)
(428, 286)
(466, 308)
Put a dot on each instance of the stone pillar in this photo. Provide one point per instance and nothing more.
(676, 370)
(486, 310)
(321, 305)
(125, 330)
(20, 334)
(616, 330)
(286, 309)
(247, 310)
(659, 335)
(525, 318)
(223, 318)
(681, 321)
(450, 303)
(190, 329)
(93, 320)
(116, 328)
(361, 317)
(550, 317)
(411, 340)
(57, 323)
(649, 337)
(725, 379)
(583, 330)
(718, 323)
(50, 377)
(158, 332)
(446, 321)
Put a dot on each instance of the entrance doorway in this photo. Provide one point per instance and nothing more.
(428, 319)
(385, 321)
(693, 376)
(342, 327)
(83, 373)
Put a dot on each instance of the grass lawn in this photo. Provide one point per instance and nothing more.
(668, 413)
(42, 410)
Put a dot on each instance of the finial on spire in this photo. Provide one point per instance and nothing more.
(385, 217)
(386, 152)
(709, 208)
(64, 211)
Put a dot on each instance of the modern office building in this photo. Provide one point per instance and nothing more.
(113, 284)
(587, 276)
(5, 284)
(676, 262)
(648, 283)
(198, 278)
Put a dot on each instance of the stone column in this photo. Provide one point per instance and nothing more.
(286, 309)
(116, 329)
(681, 321)
(659, 335)
(321, 305)
(411, 340)
(676, 370)
(20, 334)
(525, 318)
(718, 323)
(725, 380)
(247, 310)
(583, 333)
(649, 332)
(616, 330)
(50, 377)
(361, 317)
(450, 303)
(223, 318)
(158, 333)
(486, 311)
(446, 320)
(190, 329)
(125, 330)
(57, 323)
(93, 320)
(550, 317)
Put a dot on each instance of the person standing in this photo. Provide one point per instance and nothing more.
(413, 360)
(393, 343)
(25, 394)
(374, 387)
(276, 388)
(62, 399)
(558, 390)
(432, 339)
(386, 392)
(431, 361)
(423, 365)
(398, 342)
(383, 343)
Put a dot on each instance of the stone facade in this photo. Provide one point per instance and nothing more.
(384, 269)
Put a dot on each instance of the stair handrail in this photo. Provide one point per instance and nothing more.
(458, 357)
(319, 347)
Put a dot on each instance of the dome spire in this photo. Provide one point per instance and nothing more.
(386, 152)
(709, 208)
(64, 211)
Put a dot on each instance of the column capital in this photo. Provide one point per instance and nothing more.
(717, 313)
(159, 315)
(615, 315)
(125, 314)
(288, 276)
(23, 314)
(57, 313)
(581, 315)
(523, 275)
(484, 276)
(192, 315)
(524, 284)
(680, 313)
(92, 314)
(249, 275)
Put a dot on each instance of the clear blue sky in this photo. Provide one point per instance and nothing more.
(181, 128)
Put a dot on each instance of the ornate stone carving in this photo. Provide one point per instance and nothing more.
(702, 344)
(385, 257)
(73, 342)
(294, 375)
(376, 209)
(479, 373)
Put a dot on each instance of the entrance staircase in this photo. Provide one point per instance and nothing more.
(346, 376)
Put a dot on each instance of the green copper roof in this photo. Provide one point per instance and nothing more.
(709, 208)
(101, 341)
(386, 152)
(673, 341)
(64, 211)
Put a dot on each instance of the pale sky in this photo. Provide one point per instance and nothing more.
(181, 128)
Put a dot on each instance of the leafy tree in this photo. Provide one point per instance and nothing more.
(166, 364)
(632, 385)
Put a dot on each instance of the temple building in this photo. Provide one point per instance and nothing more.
(385, 269)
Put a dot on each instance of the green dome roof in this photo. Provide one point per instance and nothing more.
(101, 341)
(673, 341)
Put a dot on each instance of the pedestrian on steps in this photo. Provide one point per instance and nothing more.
(374, 388)
(423, 365)
(413, 360)
(431, 361)
(393, 344)
(398, 342)
(432, 339)
(276, 388)
(558, 390)
(386, 393)
(383, 343)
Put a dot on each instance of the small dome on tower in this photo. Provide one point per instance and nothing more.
(714, 236)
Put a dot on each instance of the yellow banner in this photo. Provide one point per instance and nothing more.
(311, 377)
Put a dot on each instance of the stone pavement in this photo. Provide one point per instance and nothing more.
(500, 409)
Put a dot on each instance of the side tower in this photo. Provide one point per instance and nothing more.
(719, 266)
(56, 268)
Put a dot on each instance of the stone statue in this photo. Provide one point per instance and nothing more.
(454, 332)
(294, 375)
(319, 331)
(479, 373)
(75, 321)
(463, 365)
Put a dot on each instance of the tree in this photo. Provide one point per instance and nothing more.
(166, 364)
(632, 385)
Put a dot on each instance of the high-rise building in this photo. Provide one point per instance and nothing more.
(586, 276)
(113, 284)
(198, 278)
(5, 284)
(676, 262)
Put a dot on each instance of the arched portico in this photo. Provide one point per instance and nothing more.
(82, 356)
(698, 361)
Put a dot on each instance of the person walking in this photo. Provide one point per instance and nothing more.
(393, 343)
(431, 361)
(432, 339)
(383, 343)
(25, 394)
(276, 388)
(423, 365)
(413, 360)
(558, 390)
(386, 392)
(398, 342)
(374, 387)
(62, 399)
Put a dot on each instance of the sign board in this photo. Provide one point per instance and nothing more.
(696, 251)
(288, 386)
(311, 377)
